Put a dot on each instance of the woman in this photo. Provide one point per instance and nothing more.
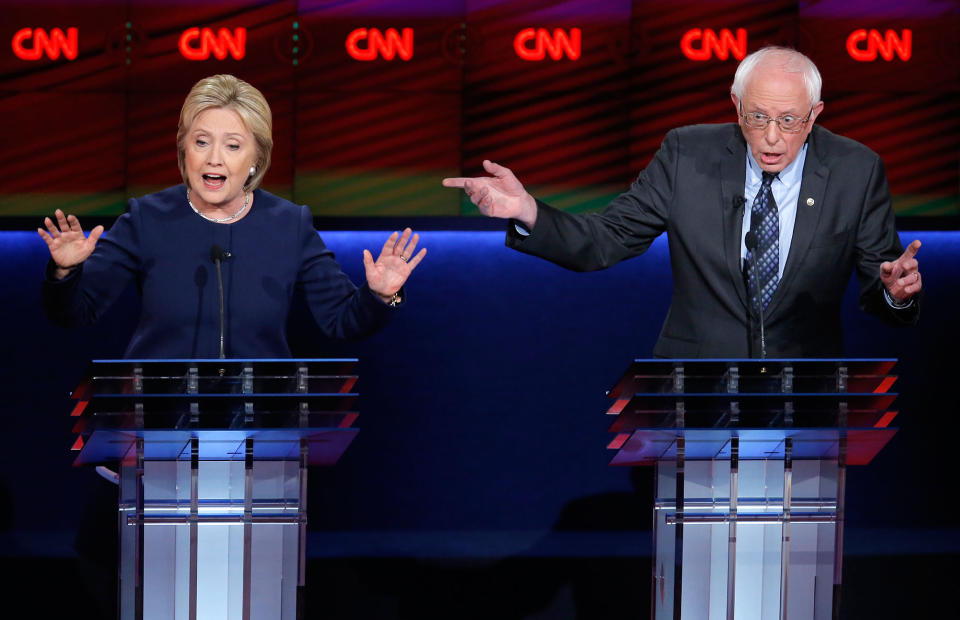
(172, 244)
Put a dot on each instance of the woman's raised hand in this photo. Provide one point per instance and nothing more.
(387, 274)
(67, 244)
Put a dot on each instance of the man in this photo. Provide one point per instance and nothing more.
(769, 215)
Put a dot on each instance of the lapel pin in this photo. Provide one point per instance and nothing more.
(810, 202)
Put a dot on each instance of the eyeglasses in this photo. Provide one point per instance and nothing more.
(788, 123)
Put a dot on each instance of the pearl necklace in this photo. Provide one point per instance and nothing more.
(221, 220)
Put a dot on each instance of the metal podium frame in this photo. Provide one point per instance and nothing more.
(750, 462)
(213, 458)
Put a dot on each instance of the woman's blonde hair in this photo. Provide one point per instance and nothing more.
(227, 91)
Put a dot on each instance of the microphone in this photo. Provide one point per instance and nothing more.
(751, 242)
(739, 202)
(218, 255)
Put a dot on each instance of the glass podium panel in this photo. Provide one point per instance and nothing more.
(646, 446)
(750, 459)
(212, 458)
(219, 538)
(765, 554)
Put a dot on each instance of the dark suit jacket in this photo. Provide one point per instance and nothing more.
(163, 247)
(693, 189)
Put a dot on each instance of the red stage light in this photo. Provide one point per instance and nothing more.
(386, 45)
(52, 44)
(884, 45)
(556, 45)
(722, 46)
(220, 44)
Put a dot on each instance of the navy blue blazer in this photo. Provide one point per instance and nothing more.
(692, 190)
(163, 247)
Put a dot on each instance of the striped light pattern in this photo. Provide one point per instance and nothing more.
(374, 138)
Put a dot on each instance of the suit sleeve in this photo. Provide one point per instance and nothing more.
(877, 241)
(341, 310)
(625, 228)
(84, 295)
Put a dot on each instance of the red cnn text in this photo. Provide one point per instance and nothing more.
(220, 44)
(53, 44)
(885, 46)
(387, 45)
(538, 43)
(711, 44)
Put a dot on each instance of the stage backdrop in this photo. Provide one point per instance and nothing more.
(480, 480)
(374, 101)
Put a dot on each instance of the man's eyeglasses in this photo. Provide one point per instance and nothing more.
(788, 123)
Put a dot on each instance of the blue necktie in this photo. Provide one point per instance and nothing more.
(765, 223)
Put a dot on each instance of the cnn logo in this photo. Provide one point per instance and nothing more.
(376, 44)
(703, 44)
(865, 45)
(220, 44)
(53, 44)
(537, 43)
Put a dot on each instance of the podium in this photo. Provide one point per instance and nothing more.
(212, 458)
(750, 461)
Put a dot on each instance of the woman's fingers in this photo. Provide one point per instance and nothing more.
(402, 242)
(53, 230)
(411, 247)
(389, 244)
(413, 262)
(62, 221)
(74, 224)
(95, 234)
(65, 239)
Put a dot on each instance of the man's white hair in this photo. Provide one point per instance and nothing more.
(790, 60)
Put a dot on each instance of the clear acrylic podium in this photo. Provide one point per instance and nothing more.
(750, 462)
(212, 458)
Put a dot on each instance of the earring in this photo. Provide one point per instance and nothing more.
(253, 170)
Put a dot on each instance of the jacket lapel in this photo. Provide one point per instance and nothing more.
(812, 188)
(733, 172)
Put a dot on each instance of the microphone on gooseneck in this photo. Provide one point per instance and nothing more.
(751, 242)
(218, 255)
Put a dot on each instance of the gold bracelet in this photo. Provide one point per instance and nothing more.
(395, 300)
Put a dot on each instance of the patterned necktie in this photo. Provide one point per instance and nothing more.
(765, 223)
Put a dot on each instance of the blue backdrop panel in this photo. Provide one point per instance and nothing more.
(482, 405)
